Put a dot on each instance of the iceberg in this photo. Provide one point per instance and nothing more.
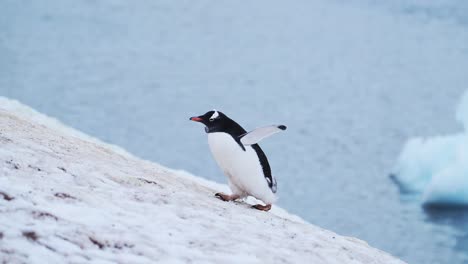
(437, 167)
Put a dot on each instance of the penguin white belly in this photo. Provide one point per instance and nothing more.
(243, 168)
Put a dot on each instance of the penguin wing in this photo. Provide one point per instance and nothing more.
(256, 135)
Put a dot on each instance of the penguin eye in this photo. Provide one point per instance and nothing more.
(212, 119)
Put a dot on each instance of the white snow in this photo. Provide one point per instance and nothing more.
(65, 197)
(437, 166)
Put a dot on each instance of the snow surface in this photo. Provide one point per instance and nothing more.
(437, 166)
(67, 196)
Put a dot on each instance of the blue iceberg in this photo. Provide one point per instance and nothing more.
(437, 167)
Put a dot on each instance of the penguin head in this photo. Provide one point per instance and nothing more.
(213, 120)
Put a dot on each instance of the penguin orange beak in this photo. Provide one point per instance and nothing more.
(196, 119)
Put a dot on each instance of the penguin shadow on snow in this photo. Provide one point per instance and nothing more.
(242, 160)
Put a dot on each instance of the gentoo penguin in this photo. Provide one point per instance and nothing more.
(241, 158)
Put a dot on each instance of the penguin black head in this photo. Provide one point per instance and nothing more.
(215, 121)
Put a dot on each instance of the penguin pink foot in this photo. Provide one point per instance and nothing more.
(262, 207)
(226, 197)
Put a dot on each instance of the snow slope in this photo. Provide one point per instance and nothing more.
(437, 166)
(65, 196)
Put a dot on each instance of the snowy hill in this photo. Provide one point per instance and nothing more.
(66, 197)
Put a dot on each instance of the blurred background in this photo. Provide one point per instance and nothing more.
(352, 80)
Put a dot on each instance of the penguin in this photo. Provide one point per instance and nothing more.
(241, 159)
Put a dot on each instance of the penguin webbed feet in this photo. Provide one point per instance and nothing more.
(262, 207)
(226, 197)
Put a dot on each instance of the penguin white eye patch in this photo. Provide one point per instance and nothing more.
(214, 116)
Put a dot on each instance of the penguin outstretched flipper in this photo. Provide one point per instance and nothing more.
(258, 134)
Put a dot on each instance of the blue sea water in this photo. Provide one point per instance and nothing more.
(353, 80)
